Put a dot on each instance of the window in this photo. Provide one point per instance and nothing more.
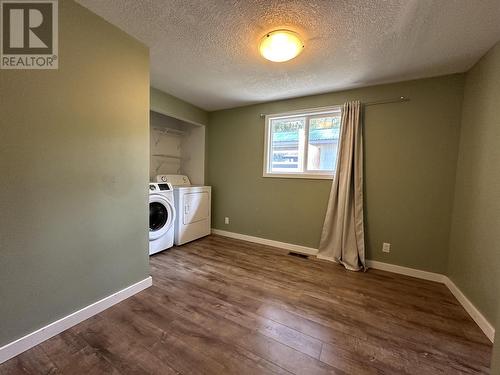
(302, 144)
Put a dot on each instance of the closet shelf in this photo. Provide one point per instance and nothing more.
(170, 131)
(168, 156)
(167, 131)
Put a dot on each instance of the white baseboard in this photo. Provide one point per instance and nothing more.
(34, 338)
(322, 257)
(474, 313)
(265, 241)
(425, 275)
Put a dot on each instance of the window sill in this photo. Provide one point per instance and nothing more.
(310, 176)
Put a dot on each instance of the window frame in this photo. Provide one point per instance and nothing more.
(307, 114)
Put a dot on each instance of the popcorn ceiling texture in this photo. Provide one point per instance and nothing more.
(206, 52)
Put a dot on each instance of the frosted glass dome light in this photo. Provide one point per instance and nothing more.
(280, 45)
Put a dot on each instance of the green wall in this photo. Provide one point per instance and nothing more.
(74, 156)
(410, 158)
(495, 360)
(169, 105)
(475, 235)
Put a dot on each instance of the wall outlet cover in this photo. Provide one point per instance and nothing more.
(386, 247)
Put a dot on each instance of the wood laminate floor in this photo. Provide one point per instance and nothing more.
(223, 306)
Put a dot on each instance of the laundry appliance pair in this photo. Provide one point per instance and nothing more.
(179, 212)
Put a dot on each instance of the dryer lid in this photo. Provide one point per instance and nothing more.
(174, 179)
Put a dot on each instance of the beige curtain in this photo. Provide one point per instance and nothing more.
(342, 238)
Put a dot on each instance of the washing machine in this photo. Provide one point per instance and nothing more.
(162, 215)
(192, 203)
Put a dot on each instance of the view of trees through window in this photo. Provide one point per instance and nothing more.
(304, 144)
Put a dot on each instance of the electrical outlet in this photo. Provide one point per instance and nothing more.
(226, 220)
(386, 247)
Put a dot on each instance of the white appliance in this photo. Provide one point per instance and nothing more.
(192, 203)
(162, 215)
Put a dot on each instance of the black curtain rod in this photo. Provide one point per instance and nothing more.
(401, 99)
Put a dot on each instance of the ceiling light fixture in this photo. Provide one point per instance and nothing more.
(280, 45)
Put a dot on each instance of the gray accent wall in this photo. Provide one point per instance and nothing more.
(74, 156)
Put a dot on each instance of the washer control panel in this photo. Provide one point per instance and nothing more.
(159, 187)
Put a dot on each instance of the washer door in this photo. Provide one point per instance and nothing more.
(161, 216)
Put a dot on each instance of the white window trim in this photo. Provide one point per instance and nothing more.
(308, 113)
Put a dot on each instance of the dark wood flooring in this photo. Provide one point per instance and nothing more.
(223, 306)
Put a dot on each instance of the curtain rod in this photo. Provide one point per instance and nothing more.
(400, 99)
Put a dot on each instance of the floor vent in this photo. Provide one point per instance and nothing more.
(298, 255)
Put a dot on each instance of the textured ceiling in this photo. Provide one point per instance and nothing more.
(206, 51)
